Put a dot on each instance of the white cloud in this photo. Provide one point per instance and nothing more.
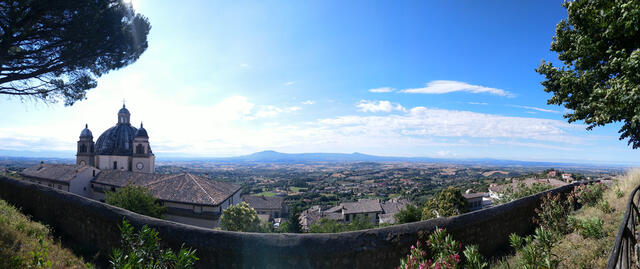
(378, 106)
(293, 108)
(428, 122)
(536, 109)
(308, 102)
(383, 89)
(289, 83)
(477, 103)
(268, 111)
(449, 86)
(245, 66)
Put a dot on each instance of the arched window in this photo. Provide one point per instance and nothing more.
(83, 148)
(139, 149)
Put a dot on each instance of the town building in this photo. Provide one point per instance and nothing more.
(71, 178)
(268, 208)
(122, 156)
(121, 147)
(189, 198)
(478, 200)
(371, 209)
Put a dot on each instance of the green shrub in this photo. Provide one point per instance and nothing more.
(535, 251)
(325, 225)
(605, 206)
(442, 251)
(142, 250)
(589, 195)
(448, 202)
(511, 194)
(241, 218)
(553, 213)
(409, 214)
(589, 227)
(136, 199)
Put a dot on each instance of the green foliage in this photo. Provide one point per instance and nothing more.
(588, 227)
(619, 193)
(448, 202)
(48, 54)
(553, 213)
(589, 195)
(325, 225)
(241, 218)
(28, 244)
(605, 206)
(142, 250)
(409, 214)
(136, 199)
(40, 256)
(442, 251)
(598, 45)
(535, 251)
(474, 258)
(511, 194)
(293, 225)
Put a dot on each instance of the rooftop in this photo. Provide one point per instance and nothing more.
(181, 188)
(56, 172)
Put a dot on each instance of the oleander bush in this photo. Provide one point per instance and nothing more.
(442, 251)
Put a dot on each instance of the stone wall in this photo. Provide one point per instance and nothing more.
(94, 225)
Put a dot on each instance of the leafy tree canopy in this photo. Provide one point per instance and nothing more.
(136, 199)
(448, 202)
(409, 214)
(599, 81)
(54, 50)
(241, 218)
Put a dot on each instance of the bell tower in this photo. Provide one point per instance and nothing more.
(142, 159)
(85, 152)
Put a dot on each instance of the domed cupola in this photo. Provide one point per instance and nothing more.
(86, 133)
(142, 133)
(124, 115)
(117, 140)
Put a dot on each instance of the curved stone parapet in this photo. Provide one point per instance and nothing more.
(94, 225)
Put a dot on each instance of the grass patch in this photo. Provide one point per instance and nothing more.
(266, 194)
(297, 189)
(29, 244)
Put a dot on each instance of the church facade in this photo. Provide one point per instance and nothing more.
(121, 147)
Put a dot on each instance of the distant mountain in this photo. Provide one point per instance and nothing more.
(274, 156)
(270, 156)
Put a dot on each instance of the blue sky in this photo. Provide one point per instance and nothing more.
(426, 78)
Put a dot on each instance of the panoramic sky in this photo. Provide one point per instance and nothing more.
(451, 79)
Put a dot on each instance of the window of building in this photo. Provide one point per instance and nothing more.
(139, 149)
(115, 165)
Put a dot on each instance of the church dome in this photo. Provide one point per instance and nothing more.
(86, 133)
(123, 110)
(142, 132)
(117, 140)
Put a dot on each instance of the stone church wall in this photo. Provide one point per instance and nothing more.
(94, 225)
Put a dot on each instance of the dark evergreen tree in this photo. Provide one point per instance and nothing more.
(54, 50)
